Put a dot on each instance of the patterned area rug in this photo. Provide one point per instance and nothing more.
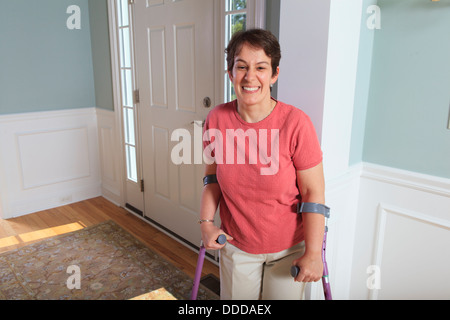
(101, 262)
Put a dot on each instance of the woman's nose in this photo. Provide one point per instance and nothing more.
(250, 74)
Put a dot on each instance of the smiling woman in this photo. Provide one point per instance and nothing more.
(264, 237)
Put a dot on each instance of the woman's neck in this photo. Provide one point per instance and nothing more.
(255, 113)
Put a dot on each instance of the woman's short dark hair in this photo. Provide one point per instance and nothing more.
(258, 38)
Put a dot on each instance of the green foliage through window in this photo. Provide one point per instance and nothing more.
(235, 20)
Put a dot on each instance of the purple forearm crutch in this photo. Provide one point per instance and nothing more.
(198, 270)
(325, 279)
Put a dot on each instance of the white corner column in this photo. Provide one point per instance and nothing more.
(318, 70)
(342, 180)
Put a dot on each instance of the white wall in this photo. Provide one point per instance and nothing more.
(304, 39)
(342, 63)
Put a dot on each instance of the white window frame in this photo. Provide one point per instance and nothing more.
(133, 107)
(256, 18)
(117, 100)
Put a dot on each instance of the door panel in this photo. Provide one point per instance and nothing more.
(185, 67)
(157, 67)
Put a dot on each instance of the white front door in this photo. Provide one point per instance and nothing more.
(175, 73)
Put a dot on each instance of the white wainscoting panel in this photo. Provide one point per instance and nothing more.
(110, 156)
(411, 246)
(48, 159)
(402, 236)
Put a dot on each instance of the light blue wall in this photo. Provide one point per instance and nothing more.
(408, 102)
(101, 54)
(44, 65)
(362, 85)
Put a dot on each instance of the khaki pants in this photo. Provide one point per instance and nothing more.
(245, 276)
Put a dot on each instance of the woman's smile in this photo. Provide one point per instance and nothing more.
(249, 89)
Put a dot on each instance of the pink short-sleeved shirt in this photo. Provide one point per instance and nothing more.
(256, 170)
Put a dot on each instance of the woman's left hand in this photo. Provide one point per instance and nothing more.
(311, 268)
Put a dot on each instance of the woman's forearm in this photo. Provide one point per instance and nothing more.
(312, 189)
(210, 201)
(313, 228)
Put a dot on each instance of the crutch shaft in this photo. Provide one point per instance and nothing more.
(198, 270)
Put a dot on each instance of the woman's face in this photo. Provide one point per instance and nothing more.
(252, 76)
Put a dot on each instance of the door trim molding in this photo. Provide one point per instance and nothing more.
(114, 45)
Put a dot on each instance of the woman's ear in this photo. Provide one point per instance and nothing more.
(230, 75)
(275, 77)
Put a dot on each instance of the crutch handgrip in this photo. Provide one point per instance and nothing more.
(222, 239)
(295, 271)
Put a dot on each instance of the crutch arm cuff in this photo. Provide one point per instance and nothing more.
(314, 208)
(212, 178)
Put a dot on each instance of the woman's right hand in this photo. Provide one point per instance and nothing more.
(210, 233)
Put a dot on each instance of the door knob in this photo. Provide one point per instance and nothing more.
(207, 102)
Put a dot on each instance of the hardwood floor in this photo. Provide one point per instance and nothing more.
(23, 230)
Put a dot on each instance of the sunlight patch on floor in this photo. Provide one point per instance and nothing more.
(159, 294)
(26, 237)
